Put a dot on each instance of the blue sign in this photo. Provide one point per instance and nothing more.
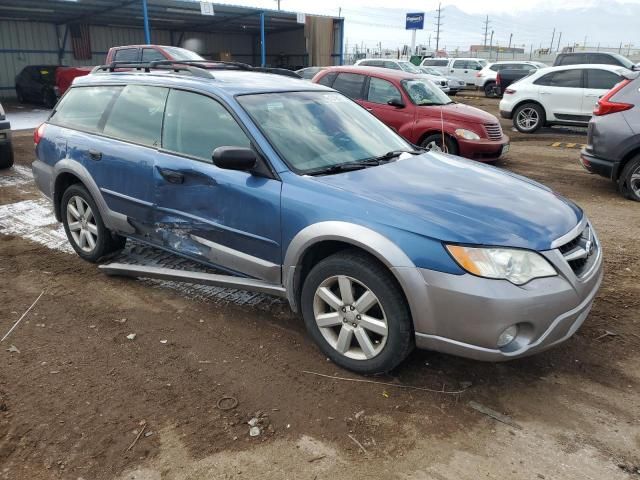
(415, 21)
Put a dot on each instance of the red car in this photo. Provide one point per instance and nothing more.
(419, 111)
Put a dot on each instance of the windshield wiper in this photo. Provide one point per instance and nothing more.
(360, 164)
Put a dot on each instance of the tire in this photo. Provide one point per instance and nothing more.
(20, 95)
(629, 181)
(6, 156)
(453, 94)
(104, 242)
(387, 313)
(490, 90)
(435, 140)
(529, 118)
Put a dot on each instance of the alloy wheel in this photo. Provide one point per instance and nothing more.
(350, 317)
(528, 118)
(634, 182)
(433, 147)
(82, 224)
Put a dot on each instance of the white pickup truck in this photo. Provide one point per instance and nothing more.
(463, 68)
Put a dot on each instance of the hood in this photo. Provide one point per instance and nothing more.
(457, 112)
(451, 199)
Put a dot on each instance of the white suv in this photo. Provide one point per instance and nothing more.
(405, 66)
(486, 78)
(558, 95)
(464, 68)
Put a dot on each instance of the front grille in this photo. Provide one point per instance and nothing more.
(581, 251)
(494, 131)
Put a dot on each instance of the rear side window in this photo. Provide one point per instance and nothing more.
(83, 107)
(460, 64)
(573, 59)
(381, 91)
(196, 125)
(126, 55)
(435, 63)
(392, 65)
(136, 115)
(564, 78)
(349, 84)
(601, 79)
(602, 59)
(328, 79)
(151, 54)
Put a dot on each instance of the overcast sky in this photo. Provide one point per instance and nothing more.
(605, 22)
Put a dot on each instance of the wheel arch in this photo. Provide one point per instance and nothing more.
(320, 240)
(68, 172)
(633, 153)
(432, 131)
(535, 102)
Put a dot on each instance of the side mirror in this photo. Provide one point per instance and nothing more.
(234, 158)
(396, 102)
(478, 67)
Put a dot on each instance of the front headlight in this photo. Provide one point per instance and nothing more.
(517, 266)
(467, 134)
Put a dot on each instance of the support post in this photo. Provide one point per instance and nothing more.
(413, 43)
(145, 17)
(263, 52)
(342, 41)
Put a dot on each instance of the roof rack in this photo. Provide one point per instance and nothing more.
(199, 68)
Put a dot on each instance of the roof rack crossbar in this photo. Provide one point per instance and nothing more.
(200, 68)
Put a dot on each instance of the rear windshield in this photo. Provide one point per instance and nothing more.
(178, 53)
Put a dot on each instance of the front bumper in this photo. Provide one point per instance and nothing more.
(483, 149)
(594, 164)
(464, 314)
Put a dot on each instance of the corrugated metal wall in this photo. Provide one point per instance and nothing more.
(31, 43)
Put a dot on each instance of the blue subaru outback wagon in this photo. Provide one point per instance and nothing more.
(296, 190)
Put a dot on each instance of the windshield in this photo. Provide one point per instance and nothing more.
(182, 54)
(431, 71)
(409, 67)
(483, 62)
(423, 92)
(315, 130)
(624, 61)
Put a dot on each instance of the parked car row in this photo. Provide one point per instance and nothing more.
(300, 192)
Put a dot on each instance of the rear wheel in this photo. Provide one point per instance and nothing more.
(629, 181)
(20, 95)
(356, 313)
(529, 117)
(49, 98)
(434, 143)
(84, 226)
(490, 89)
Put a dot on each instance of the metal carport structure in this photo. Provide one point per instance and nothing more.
(42, 32)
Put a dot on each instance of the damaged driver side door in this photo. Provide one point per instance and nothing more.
(228, 218)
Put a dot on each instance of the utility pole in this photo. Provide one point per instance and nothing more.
(278, 4)
(584, 45)
(491, 45)
(438, 25)
(430, 41)
(553, 36)
(510, 38)
(486, 31)
(559, 38)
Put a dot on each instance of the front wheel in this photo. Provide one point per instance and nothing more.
(629, 181)
(6, 156)
(529, 117)
(356, 313)
(434, 143)
(84, 226)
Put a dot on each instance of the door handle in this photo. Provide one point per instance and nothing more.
(593, 95)
(172, 176)
(545, 93)
(94, 154)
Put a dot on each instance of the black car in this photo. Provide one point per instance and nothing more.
(6, 152)
(584, 58)
(36, 84)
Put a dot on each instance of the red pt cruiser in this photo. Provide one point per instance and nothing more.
(419, 111)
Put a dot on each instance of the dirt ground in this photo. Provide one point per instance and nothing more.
(78, 394)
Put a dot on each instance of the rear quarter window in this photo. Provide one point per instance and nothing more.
(328, 79)
(82, 108)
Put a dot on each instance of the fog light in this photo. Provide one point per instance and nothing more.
(507, 336)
